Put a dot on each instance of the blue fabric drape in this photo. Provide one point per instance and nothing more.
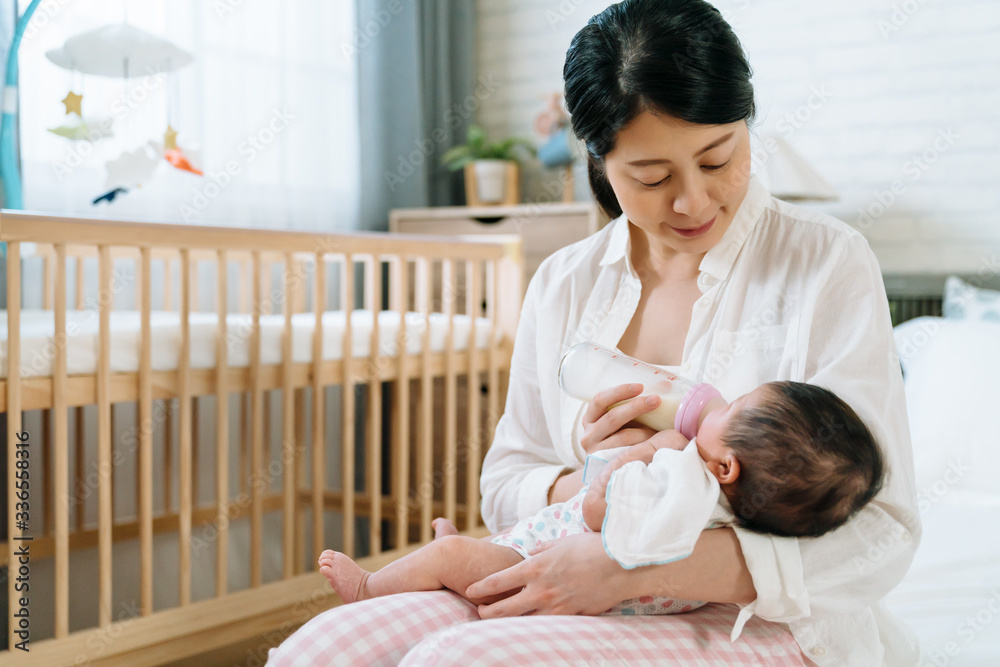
(417, 97)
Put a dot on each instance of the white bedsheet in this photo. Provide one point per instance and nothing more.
(951, 595)
(38, 338)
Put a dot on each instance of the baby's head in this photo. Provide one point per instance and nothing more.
(793, 459)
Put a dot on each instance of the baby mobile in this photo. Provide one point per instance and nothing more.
(126, 52)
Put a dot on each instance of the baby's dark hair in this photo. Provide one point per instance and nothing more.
(807, 462)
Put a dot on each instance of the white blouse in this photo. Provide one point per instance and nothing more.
(787, 294)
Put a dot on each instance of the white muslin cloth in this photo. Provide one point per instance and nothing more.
(657, 512)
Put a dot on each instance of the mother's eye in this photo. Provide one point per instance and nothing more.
(714, 167)
(653, 185)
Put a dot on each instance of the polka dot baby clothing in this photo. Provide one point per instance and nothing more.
(564, 519)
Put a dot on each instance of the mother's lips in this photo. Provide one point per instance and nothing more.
(695, 231)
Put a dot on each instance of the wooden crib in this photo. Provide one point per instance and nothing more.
(384, 356)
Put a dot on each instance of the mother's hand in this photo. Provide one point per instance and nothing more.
(607, 427)
(572, 576)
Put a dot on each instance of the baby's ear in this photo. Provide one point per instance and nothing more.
(726, 470)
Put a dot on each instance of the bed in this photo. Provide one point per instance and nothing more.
(206, 409)
(949, 346)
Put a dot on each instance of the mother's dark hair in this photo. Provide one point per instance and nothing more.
(673, 57)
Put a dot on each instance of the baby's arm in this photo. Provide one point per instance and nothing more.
(594, 503)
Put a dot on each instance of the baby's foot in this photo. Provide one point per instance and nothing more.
(346, 576)
(443, 527)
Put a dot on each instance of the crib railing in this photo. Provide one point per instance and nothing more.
(416, 458)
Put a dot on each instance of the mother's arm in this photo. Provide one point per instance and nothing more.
(574, 575)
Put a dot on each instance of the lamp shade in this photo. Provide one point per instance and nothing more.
(787, 175)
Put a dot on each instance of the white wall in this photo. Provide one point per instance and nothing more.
(878, 95)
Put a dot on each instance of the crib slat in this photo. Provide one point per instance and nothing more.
(81, 295)
(373, 460)
(104, 435)
(473, 307)
(61, 460)
(79, 431)
(168, 284)
(184, 405)
(288, 426)
(246, 282)
(493, 356)
(400, 291)
(195, 438)
(300, 479)
(222, 434)
(319, 423)
(47, 282)
(168, 454)
(195, 304)
(14, 531)
(449, 286)
(256, 430)
(80, 418)
(46, 486)
(425, 451)
(145, 475)
(347, 404)
(242, 441)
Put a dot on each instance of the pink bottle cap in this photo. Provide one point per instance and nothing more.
(691, 407)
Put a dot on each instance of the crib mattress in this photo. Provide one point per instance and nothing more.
(38, 346)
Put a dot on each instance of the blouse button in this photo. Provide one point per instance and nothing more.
(818, 650)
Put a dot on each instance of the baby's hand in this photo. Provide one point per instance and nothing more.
(669, 439)
(594, 505)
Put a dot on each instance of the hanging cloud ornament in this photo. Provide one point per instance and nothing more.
(132, 168)
(121, 51)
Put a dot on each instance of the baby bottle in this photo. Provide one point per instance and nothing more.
(588, 368)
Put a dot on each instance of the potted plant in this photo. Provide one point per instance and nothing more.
(491, 168)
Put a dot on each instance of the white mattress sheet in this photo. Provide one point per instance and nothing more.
(951, 595)
(38, 338)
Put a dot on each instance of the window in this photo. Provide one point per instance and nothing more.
(269, 105)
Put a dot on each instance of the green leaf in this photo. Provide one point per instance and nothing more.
(478, 147)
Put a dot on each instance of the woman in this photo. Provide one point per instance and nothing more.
(704, 273)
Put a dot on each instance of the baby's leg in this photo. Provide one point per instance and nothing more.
(450, 561)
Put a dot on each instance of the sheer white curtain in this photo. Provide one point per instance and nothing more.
(270, 103)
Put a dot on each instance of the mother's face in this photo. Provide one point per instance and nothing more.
(678, 182)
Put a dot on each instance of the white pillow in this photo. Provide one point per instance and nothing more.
(963, 301)
(952, 379)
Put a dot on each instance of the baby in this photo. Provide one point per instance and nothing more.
(790, 459)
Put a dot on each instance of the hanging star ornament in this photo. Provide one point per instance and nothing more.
(73, 103)
(170, 139)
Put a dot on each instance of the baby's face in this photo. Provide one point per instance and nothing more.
(710, 434)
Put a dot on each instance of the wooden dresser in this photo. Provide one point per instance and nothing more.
(544, 228)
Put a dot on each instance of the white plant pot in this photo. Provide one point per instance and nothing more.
(490, 176)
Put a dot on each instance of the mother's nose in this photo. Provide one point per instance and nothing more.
(690, 198)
